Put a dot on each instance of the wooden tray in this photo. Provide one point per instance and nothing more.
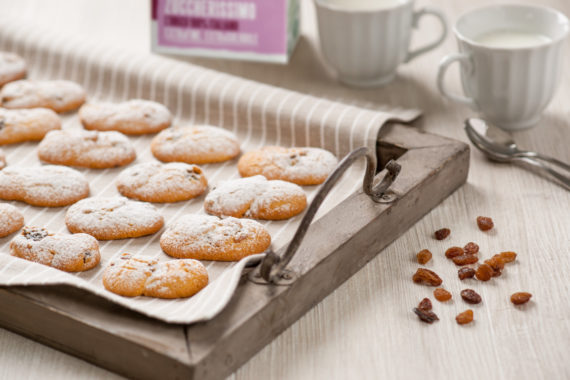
(109, 336)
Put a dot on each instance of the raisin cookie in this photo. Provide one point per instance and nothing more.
(47, 186)
(206, 237)
(256, 197)
(133, 276)
(11, 220)
(58, 95)
(133, 117)
(303, 166)
(26, 125)
(88, 149)
(12, 67)
(195, 145)
(2, 160)
(113, 218)
(155, 182)
(70, 253)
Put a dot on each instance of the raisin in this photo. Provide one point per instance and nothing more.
(426, 277)
(485, 223)
(465, 259)
(470, 296)
(454, 251)
(424, 256)
(442, 233)
(441, 295)
(508, 256)
(34, 233)
(496, 262)
(466, 272)
(520, 298)
(426, 315)
(465, 317)
(484, 272)
(471, 248)
(425, 304)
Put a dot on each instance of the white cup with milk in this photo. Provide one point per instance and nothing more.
(511, 60)
(366, 40)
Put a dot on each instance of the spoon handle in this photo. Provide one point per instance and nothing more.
(546, 158)
(543, 170)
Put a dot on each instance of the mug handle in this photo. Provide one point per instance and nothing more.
(415, 22)
(443, 66)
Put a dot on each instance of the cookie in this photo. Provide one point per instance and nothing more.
(155, 182)
(133, 117)
(2, 160)
(12, 67)
(47, 186)
(206, 237)
(303, 166)
(58, 95)
(88, 149)
(70, 253)
(195, 145)
(133, 276)
(256, 197)
(26, 125)
(113, 218)
(11, 220)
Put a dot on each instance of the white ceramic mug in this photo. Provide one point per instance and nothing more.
(511, 60)
(365, 42)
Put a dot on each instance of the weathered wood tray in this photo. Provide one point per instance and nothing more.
(335, 247)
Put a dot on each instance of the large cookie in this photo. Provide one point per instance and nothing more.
(26, 125)
(303, 166)
(195, 145)
(2, 159)
(12, 67)
(89, 149)
(256, 197)
(113, 218)
(47, 186)
(133, 117)
(155, 182)
(133, 276)
(58, 95)
(11, 220)
(206, 237)
(70, 253)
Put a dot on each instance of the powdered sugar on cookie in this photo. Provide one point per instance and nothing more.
(2, 159)
(11, 220)
(26, 125)
(12, 67)
(58, 95)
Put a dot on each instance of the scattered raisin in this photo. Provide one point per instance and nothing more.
(520, 298)
(424, 256)
(471, 248)
(441, 295)
(496, 262)
(426, 277)
(454, 251)
(426, 315)
(442, 233)
(425, 304)
(470, 296)
(484, 272)
(465, 259)
(508, 256)
(465, 317)
(466, 272)
(485, 223)
(34, 233)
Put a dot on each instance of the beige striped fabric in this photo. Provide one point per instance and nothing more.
(259, 114)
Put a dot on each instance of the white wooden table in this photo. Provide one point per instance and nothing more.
(366, 328)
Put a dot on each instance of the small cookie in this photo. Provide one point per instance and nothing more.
(58, 95)
(12, 67)
(11, 220)
(133, 117)
(70, 253)
(2, 159)
(47, 186)
(88, 149)
(195, 145)
(133, 276)
(113, 218)
(26, 125)
(155, 182)
(303, 166)
(256, 197)
(206, 237)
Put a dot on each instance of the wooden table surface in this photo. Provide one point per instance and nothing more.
(366, 328)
